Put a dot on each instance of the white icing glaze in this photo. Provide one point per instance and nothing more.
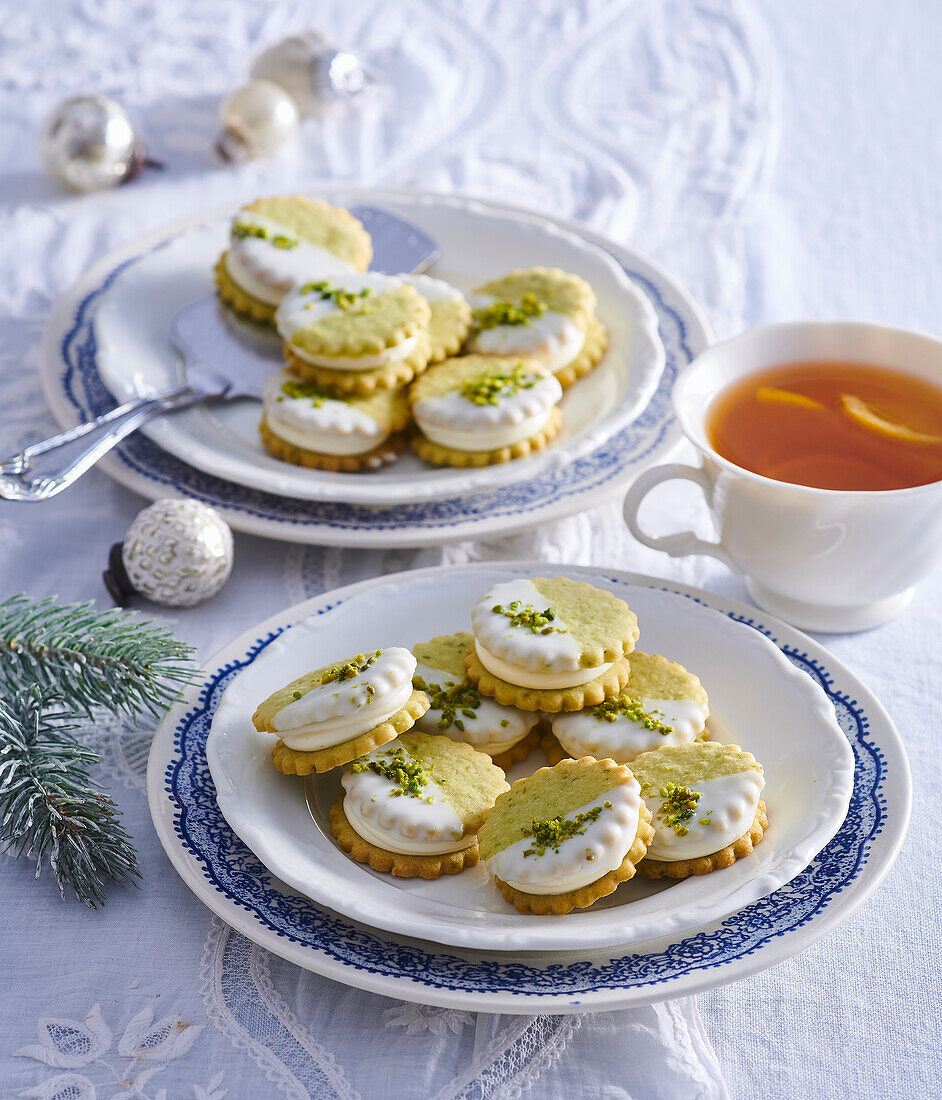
(583, 734)
(267, 272)
(401, 823)
(607, 840)
(731, 798)
(433, 290)
(298, 310)
(453, 421)
(554, 339)
(484, 731)
(337, 711)
(517, 654)
(333, 427)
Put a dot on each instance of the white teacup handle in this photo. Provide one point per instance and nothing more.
(684, 542)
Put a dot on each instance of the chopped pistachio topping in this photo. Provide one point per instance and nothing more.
(624, 706)
(346, 671)
(409, 776)
(556, 830)
(336, 294)
(452, 700)
(241, 230)
(318, 394)
(508, 313)
(537, 622)
(678, 807)
(491, 389)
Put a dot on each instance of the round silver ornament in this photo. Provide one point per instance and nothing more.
(313, 71)
(176, 552)
(89, 142)
(257, 120)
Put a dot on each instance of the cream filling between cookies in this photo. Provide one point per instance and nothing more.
(544, 681)
(583, 734)
(360, 362)
(581, 859)
(410, 825)
(728, 803)
(333, 731)
(481, 439)
(554, 339)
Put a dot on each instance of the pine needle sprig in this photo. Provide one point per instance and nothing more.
(50, 810)
(90, 658)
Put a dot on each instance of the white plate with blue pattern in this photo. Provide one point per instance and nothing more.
(780, 920)
(599, 462)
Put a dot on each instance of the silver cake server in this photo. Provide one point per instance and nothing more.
(222, 359)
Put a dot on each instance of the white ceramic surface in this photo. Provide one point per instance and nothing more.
(75, 392)
(223, 875)
(759, 700)
(826, 560)
(135, 356)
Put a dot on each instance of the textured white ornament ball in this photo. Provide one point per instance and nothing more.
(89, 143)
(256, 120)
(178, 552)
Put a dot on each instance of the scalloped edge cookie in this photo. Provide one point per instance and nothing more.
(398, 864)
(295, 762)
(389, 377)
(238, 299)
(448, 456)
(592, 353)
(519, 751)
(357, 247)
(716, 861)
(387, 451)
(583, 294)
(448, 327)
(552, 701)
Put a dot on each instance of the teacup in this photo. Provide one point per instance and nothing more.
(824, 559)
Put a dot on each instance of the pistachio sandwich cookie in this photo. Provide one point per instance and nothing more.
(334, 714)
(566, 836)
(550, 644)
(450, 315)
(279, 243)
(664, 705)
(412, 807)
(543, 314)
(357, 333)
(460, 712)
(704, 798)
(325, 429)
(480, 410)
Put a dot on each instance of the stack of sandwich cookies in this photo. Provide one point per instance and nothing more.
(550, 644)
(480, 410)
(459, 711)
(412, 807)
(356, 333)
(279, 243)
(450, 315)
(664, 705)
(704, 798)
(543, 314)
(334, 714)
(566, 836)
(321, 428)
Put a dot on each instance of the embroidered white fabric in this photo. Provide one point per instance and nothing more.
(656, 121)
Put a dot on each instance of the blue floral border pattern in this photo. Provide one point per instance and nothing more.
(236, 873)
(85, 390)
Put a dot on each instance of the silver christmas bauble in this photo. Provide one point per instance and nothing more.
(256, 121)
(90, 142)
(176, 552)
(313, 71)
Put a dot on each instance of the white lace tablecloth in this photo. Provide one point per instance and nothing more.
(657, 121)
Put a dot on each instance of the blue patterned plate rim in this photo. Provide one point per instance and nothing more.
(75, 391)
(230, 880)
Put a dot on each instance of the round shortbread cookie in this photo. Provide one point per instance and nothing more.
(450, 317)
(393, 376)
(551, 700)
(592, 353)
(566, 836)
